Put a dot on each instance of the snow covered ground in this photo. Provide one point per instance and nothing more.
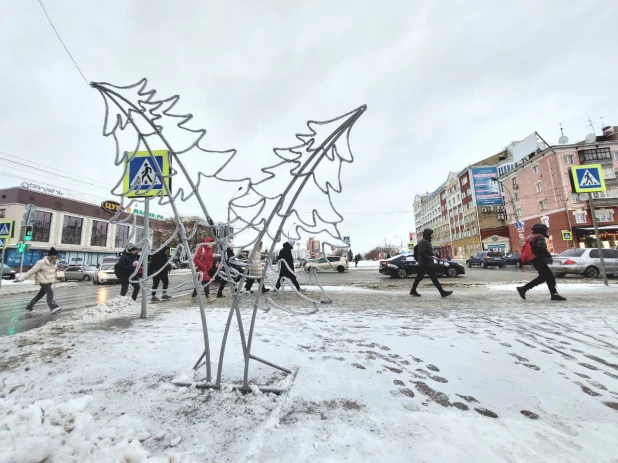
(482, 377)
(28, 286)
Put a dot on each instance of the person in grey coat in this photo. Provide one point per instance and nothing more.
(426, 262)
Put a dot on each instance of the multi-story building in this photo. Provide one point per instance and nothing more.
(81, 232)
(428, 213)
(538, 189)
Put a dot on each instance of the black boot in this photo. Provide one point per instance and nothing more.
(557, 297)
(522, 292)
(414, 293)
(446, 293)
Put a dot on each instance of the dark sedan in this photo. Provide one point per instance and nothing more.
(514, 259)
(405, 265)
(486, 259)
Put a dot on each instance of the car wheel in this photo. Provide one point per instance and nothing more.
(483, 265)
(86, 278)
(452, 272)
(401, 273)
(591, 272)
(560, 275)
(518, 264)
(341, 269)
(468, 264)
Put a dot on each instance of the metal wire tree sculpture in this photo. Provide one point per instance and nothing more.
(314, 170)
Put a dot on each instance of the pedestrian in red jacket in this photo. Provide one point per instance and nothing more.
(203, 264)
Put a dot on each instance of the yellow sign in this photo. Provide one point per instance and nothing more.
(143, 171)
(567, 235)
(588, 178)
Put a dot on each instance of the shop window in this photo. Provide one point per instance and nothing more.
(99, 233)
(122, 236)
(568, 158)
(605, 216)
(41, 226)
(580, 217)
(72, 230)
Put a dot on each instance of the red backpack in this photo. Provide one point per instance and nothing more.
(526, 251)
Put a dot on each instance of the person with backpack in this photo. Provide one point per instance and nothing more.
(159, 264)
(203, 260)
(535, 252)
(287, 271)
(44, 272)
(425, 257)
(125, 267)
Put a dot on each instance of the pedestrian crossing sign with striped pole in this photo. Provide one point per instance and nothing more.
(140, 177)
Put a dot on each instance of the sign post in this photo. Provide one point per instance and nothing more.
(3, 242)
(30, 209)
(589, 178)
(142, 180)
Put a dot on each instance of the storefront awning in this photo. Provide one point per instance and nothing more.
(607, 227)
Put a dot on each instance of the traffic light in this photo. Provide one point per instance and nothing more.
(28, 233)
(21, 247)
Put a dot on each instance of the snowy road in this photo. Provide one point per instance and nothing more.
(482, 376)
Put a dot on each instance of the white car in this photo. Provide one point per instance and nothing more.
(105, 275)
(585, 262)
(338, 263)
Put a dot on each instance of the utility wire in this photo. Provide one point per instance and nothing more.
(65, 47)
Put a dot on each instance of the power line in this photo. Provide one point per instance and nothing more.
(65, 47)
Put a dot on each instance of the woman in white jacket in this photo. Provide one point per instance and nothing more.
(255, 270)
(45, 276)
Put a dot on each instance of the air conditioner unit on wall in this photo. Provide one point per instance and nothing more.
(490, 209)
(483, 209)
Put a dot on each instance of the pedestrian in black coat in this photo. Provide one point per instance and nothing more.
(227, 255)
(159, 263)
(285, 255)
(125, 268)
(541, 261)
(426, 262)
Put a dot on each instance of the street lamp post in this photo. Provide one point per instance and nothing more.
(400, 241)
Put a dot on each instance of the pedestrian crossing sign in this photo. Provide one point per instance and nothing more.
(6, 228)
(567, 235)
(588, 178)
(3, 242)
(141, 177)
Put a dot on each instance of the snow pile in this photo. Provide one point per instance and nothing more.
(65, 432)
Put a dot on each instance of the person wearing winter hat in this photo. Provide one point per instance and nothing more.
(203, 263)
(255, 270)
(124, 268)
(287, 271)
(44, 272)
(542, 257)
(229, 253)
(159, 265)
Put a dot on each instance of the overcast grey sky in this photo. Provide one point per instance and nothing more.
(446, 83)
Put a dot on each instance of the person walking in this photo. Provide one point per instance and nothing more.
(287, 271)
(357, 258)
(203, 263)
(227, 255)
(255, 270)
(44, 272)
(539, 256)
(425, 257)
(124, 268)
(159, 263)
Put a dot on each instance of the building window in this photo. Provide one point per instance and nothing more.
(464, 180)
(514, 182)
(543, 205)
(139, 235)
(535, 169)
(516, 196)
(99, 233)
(568, 158)
(580, 217)
(41, 226)
(72, 230)
(576, 198)
(605, 216)
(2, 213)
(615, 155)
(519, 213)
(122, 236)
(608, 172)
(545, 220)
(597, 154)
(539, 186)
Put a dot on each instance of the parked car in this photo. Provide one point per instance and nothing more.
(486, 259)
(585, 262)
(79, 273)
(338, 263)
(514, 258)
(7, 272)
(403, 266)
(105, 275)
(300, 263)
